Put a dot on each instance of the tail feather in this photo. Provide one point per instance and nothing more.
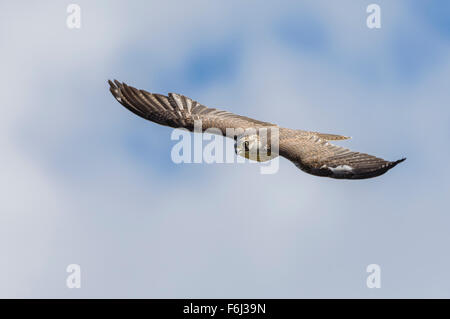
(331, 137)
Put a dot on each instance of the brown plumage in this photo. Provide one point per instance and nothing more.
(309, 151)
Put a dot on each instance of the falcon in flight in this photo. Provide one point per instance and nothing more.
(310, 151)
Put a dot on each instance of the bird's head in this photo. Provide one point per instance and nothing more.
(252, 147)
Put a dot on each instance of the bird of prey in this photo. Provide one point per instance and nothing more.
(310, 151)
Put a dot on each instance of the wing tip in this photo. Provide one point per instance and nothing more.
(364, 174)
(111, 83)
(397, 162)
(116, 89)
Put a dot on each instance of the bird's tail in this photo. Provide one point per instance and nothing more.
(331, 137)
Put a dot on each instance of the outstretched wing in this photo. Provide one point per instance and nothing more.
(177, 110)
(318, 157)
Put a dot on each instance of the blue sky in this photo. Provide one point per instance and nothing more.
(87, 182)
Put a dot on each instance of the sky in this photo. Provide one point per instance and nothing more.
(86, 182)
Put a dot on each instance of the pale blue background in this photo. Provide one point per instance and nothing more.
(85, 181)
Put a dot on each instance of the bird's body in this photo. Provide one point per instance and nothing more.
(310, 151)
